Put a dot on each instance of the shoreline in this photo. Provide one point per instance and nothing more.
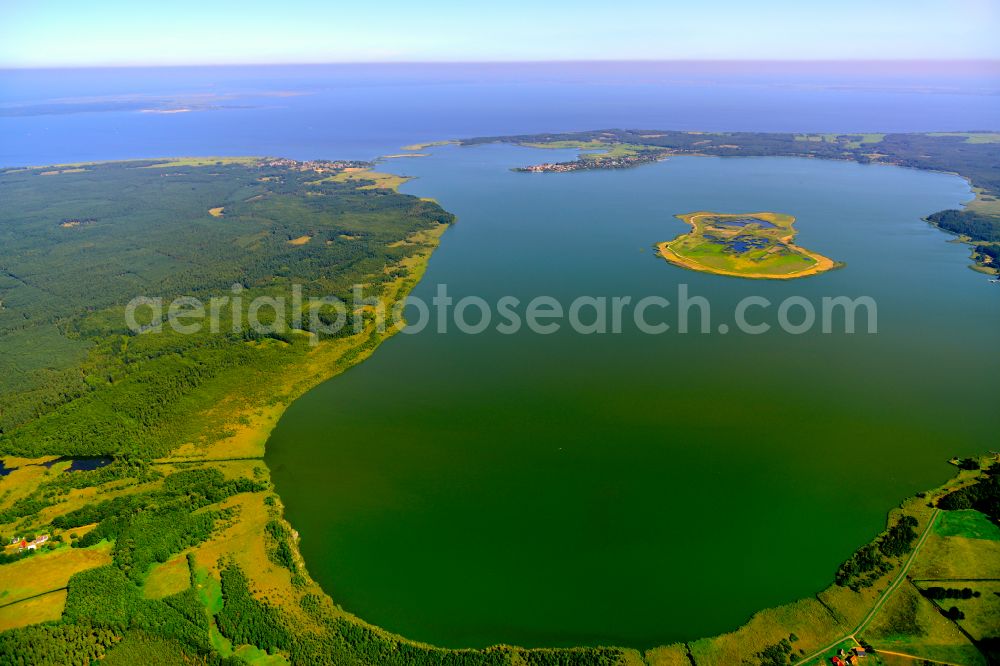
(665, 251)
(322, 363)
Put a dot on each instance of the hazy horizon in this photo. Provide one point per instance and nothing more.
(993, 63)
(189, 32)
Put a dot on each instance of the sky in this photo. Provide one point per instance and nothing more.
(66, 33)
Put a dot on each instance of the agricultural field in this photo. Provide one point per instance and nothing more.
(972, 137)
(45, 608)
(852, 141)
(167, 578)
(366, 178)
(48, 571)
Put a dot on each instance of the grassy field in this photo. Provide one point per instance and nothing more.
(985, 202)
(21, 483)
(668, 655)
(379, 180)
(47, 571)
(200, 162)
(981, 612)
(749, 245)
(969, 523)
(33, 589)
(208, 589)
(958, 557)
(847, 140)
(973, 137)
(910, 624)
(167, 578)
(46, 608)
(806, 620)
(593, 144)
(614, 150)
(596, 149)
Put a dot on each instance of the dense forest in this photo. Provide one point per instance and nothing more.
(984, 496)
(77, 246)
(873, 560)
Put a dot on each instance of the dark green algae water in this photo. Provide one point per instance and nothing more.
(634, 489)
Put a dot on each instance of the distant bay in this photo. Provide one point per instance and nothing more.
(361, 111)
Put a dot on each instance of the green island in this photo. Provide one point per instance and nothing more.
(749, 245)
(972, 155)
(138, 520)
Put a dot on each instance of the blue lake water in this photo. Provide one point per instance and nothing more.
(744, 221)
(88, 464)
